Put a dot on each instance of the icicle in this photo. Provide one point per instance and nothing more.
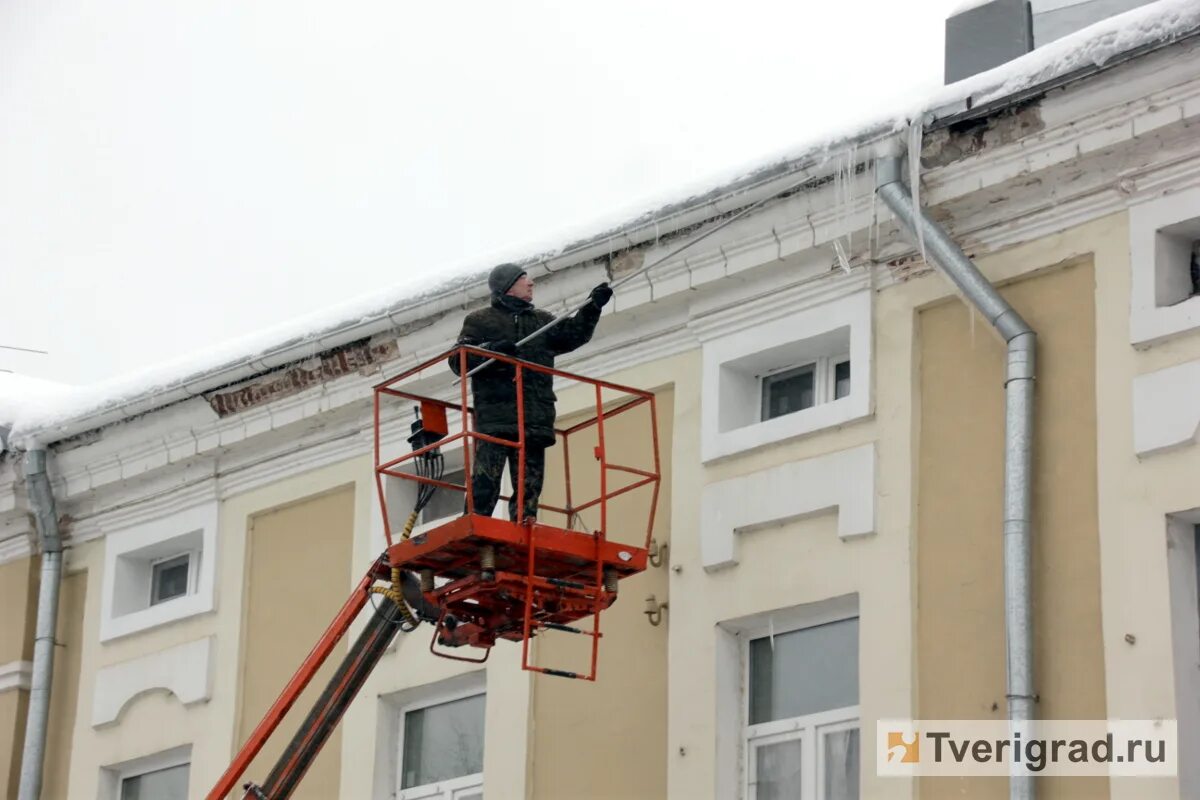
(876, 247)
(851, 159)
(841, 255)
(915, 132)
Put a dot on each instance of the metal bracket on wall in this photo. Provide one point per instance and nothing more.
(657, 554)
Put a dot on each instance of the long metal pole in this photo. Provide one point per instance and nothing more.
(1018, 443)
(647, 267)
(41, 499)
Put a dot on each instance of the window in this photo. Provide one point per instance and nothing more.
(159, 571)
(1178, 273)
(794, 389)
(441, 750)
(161, 784)
(1183, 585)
(782, 378)
(1164, 259)
(170, 578)
(158, 776)
(801, 738)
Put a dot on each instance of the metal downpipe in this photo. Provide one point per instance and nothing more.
(1018, 440)
(41, 500)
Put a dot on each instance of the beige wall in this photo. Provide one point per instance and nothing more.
(14, 706)
(298, 558)
(960, 586)
(18, 598)
(156, 721)
(921, 331)
(64, 692)
(583, 729)
(1135, 495)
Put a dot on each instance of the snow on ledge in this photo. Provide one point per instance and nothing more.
(43, 410)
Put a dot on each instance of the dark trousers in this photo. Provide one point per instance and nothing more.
(487, 470)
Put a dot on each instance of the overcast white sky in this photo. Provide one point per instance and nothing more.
(174, 174)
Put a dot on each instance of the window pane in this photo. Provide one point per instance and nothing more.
(841, 765)
(446, 502)
(163, 784)
(841, 380)
(443, 742)
(809, 670)
(169, 579)
(777, 771)
(788, 392)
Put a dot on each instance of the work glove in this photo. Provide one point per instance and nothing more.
(601, 295)
(502, 346)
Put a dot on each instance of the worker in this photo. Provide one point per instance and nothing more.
(509, 318)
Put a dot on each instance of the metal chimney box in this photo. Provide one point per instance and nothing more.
(1054, 19)
(987, 35)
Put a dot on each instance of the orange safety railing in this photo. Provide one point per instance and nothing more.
(552, 555)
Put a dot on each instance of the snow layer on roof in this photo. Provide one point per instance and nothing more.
(32, 407)
(21, 396)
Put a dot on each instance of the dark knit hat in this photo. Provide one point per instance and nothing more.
(503, 277)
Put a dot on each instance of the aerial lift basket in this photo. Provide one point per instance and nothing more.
(488, 578)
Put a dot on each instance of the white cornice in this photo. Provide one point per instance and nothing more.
(140, 504)
(17, 545)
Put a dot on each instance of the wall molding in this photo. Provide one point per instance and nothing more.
(1166, 414)
(184, 671)
(16, 676)
(843, 480)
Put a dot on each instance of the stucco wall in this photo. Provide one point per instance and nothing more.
(299, 556)
(14, 706)
(623, 715)
(64, 692)
(18, 598)
(960, 586)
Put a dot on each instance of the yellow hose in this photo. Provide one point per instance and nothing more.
(408, 526)
(395, 592)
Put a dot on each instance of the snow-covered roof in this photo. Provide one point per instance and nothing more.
(50, 412)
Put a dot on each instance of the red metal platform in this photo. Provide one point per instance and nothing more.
(495, 579)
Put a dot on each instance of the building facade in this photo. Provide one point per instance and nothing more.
(831, 423)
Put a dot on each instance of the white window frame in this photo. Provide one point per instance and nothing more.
(735, 362)
(451, 789)
(193, 562)
(809, 728)
(824, 381)
(113, 776)
(133, 552)
(1183, 586)
(1160, 230)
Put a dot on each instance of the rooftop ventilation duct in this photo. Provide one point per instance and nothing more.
(982, 34)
